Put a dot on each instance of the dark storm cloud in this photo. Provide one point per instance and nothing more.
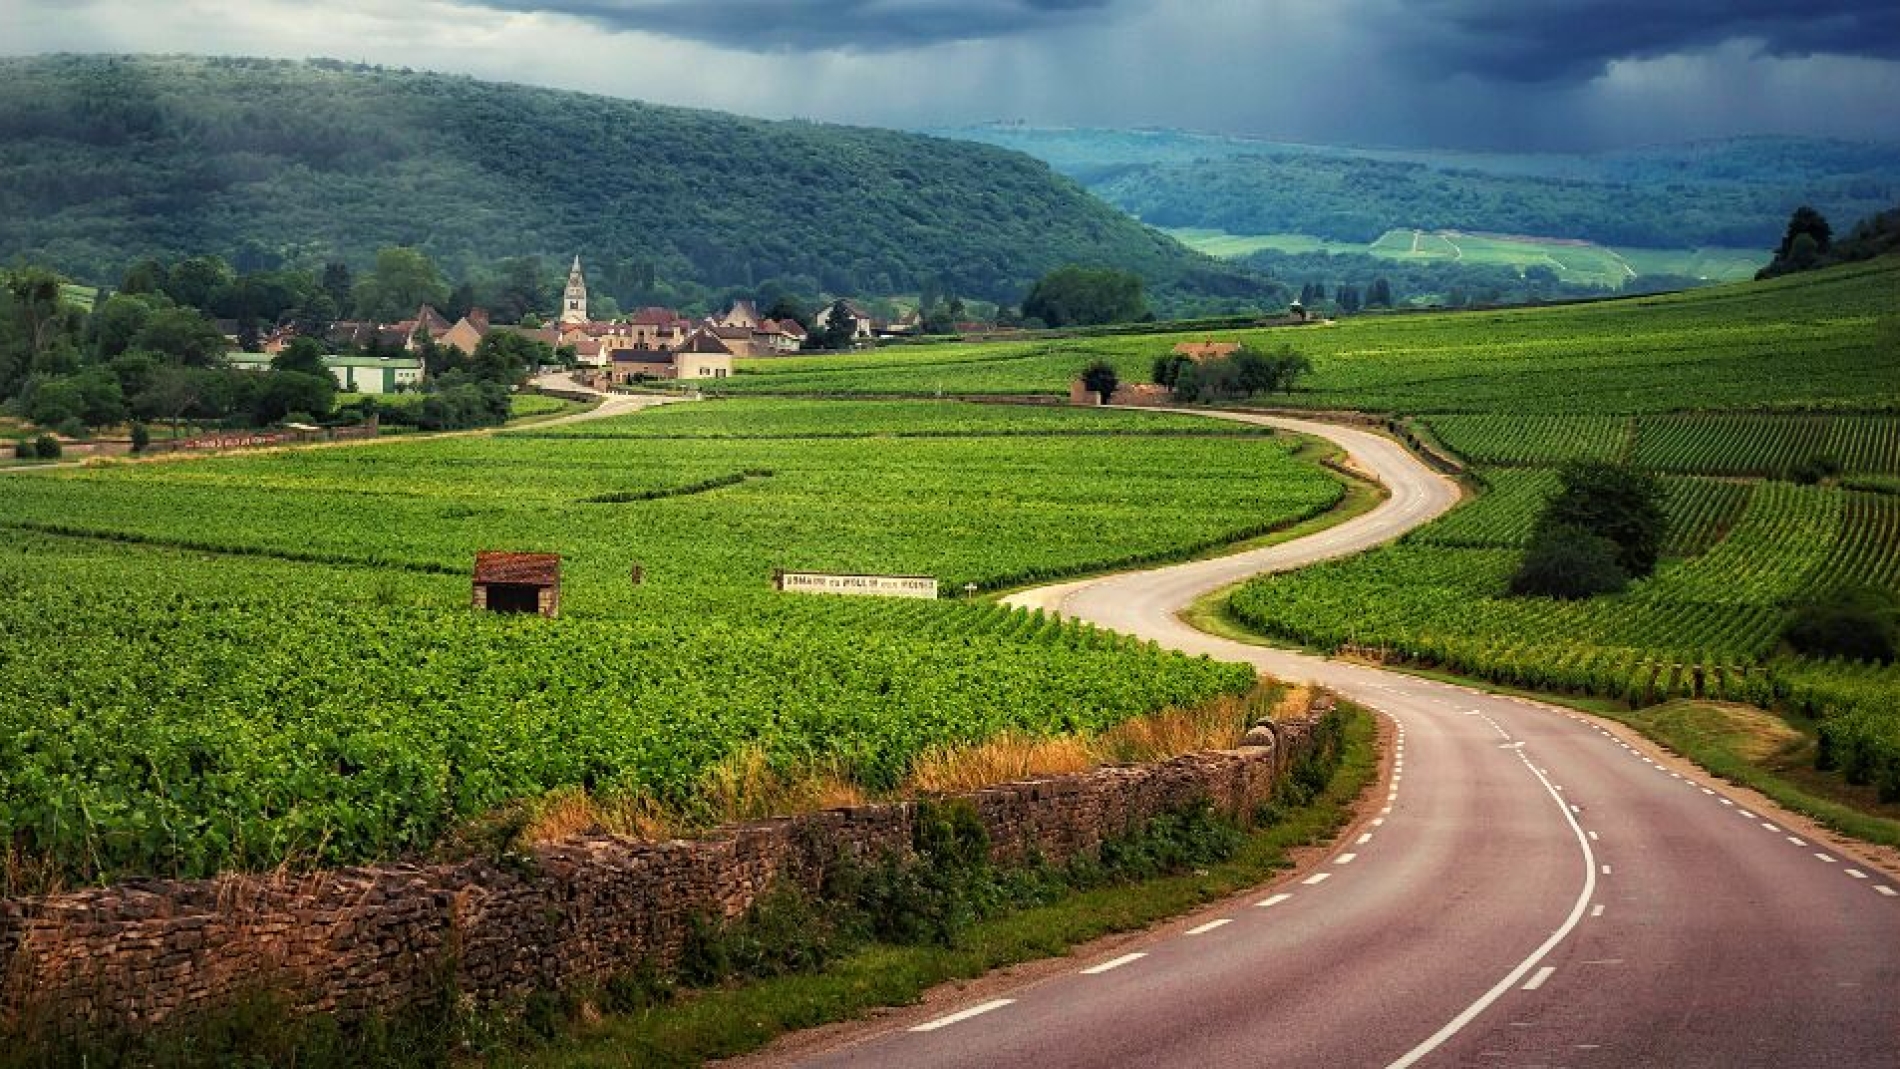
(1575, 40)
(869, 25)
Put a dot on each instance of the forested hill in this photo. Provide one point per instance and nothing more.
(104, 160)
(1734, 192)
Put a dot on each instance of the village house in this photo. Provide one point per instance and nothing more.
(866, 325)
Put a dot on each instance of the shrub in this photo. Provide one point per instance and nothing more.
(1570, 563)
(1857, 623)
(23, 449)
(141, 437)
(1814, 470)
(46, 447)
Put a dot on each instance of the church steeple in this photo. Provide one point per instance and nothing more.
(574, 298)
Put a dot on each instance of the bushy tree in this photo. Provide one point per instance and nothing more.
(1613, 501)
(1100, 378)
(1569, 563)
(276, 394)
(403, 280)
(302, 355)
(1074, 296)
(182, 335)
(1167, 369)
(1857, 623)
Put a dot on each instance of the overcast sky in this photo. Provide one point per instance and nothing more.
(1513, 74)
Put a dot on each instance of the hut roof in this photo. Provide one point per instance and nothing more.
(527, 569)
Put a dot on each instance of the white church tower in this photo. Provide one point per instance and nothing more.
(574, 299)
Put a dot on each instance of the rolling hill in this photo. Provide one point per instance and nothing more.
(104, 160)
(1731, 193)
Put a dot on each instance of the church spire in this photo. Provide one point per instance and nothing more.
(574, 297)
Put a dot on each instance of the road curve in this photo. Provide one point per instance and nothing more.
(1533, 890)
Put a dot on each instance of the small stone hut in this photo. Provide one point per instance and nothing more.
(518, 582)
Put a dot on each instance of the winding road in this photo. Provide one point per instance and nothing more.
(1532, 889)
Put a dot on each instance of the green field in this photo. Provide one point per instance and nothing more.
(240, 661)
(1723, 348)
(1573, 261)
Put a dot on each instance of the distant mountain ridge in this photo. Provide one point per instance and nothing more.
(106, 159)
(1729, 192)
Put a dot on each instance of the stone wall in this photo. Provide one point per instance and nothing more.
(361, 940)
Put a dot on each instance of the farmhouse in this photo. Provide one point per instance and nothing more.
(1198, 351)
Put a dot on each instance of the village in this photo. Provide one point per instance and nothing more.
(653, 344)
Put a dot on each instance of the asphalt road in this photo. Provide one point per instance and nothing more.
(1533, 891)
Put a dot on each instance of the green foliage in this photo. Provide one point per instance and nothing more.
(1100, 379)
(141, 437)
(46, 447)
(330, 161)
(1077, 296)
(402, 281)
(183, 335)
(1858, 623)
(1569, 563)
(1620, 504)
(302, 355)
(1239, 375)
(1809, 242)
(1725, 193)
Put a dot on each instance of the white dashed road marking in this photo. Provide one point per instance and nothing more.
(1317, 877)
(1537, 980)
(1272, 901)
(1210, 926)
(964, 1015)
(1112, 964)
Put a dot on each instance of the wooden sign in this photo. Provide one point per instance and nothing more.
(883, 586)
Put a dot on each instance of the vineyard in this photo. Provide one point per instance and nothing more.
(250, 660)
(1821, 341)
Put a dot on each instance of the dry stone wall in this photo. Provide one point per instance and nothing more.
(357, 941)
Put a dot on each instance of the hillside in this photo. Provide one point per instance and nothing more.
(1817, 340)
(1727, 193)
(267, 161)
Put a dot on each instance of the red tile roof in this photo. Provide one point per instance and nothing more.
(531, 569)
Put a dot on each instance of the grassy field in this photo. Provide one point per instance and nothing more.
(235, 662)
(1573, 261)
(1724, 348)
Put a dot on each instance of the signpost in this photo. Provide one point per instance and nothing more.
(883, 586)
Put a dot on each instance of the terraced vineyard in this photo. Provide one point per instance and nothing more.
(260, 658)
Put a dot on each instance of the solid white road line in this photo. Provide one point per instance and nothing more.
(1115, 963)
(1498, 990)
(1210, 926)
(1537, 981)
(1272, 901)
(964, 1015)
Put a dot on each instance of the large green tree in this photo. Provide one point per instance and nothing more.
(403, 280)
(1074, 296)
